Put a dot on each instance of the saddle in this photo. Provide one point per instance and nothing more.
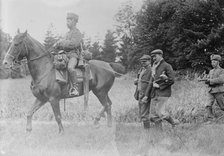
(62, 75)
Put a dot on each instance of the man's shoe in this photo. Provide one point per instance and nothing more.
(146, 124)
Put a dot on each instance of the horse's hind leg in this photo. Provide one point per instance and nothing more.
(57, 113)
(106, 103)
(36, 105)
(109, 115)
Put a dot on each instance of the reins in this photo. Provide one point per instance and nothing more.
(36, 58)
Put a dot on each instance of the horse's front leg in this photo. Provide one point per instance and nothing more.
(36, 105)
(57, 113)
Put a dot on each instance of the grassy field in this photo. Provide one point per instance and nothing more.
(125, 138)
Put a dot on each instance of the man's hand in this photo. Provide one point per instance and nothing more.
(155, 85)
(145, 99)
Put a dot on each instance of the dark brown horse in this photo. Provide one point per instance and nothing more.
(47, 89)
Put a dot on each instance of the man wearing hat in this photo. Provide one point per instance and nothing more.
(215, 82)
(71, 43)
(143, 87)
(163, 79)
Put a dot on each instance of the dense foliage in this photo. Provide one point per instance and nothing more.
(95, 50)
(4, 43)
(109, 47)
(50, 38)
(188, 31)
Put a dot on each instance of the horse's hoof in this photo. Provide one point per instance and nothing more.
(61, 131)
(28, 130)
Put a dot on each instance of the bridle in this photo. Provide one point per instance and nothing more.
(27, 53)
(35, 58)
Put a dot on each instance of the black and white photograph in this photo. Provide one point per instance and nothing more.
(111, 78)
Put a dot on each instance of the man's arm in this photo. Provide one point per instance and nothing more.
(136, 80)
(149, 87)
(170, 80)
(218, 80)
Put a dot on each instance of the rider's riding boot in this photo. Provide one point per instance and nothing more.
(74, 88)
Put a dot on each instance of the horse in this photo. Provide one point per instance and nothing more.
(47, 89)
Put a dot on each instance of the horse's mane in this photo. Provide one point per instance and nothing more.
(35, 42)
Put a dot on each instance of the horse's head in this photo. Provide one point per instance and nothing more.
(17, 50)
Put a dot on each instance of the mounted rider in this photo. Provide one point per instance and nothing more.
(72, 43)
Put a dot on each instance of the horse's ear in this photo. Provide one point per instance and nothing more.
(18, 31)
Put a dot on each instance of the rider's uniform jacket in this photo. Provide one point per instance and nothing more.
(164, 89)
(72, 42)
(216, 77)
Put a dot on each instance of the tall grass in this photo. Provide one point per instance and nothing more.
(187, 103)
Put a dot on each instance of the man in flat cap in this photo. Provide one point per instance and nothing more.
(215, 82)
(71, 43)
(143, 86)
(163, 79)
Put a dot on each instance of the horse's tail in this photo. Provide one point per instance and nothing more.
(118, 68)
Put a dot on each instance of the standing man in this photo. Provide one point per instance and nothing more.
(71, 43)
(163, 79)
(143, 89)
(216, 85)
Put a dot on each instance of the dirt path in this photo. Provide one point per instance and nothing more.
(83, 139)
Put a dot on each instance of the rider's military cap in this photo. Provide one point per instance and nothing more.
(157, 51)
(71, 15)
(145, 57)
(215, 57)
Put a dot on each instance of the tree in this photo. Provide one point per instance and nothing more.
(95, 50)
(187, 31)
(109, 48)
(5, 40)
(126, 19)
(221, 3)
(50, 38)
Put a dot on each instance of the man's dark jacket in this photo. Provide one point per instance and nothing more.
(146, 79)
(164, 89)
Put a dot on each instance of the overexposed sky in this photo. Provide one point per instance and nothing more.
(95, 16)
